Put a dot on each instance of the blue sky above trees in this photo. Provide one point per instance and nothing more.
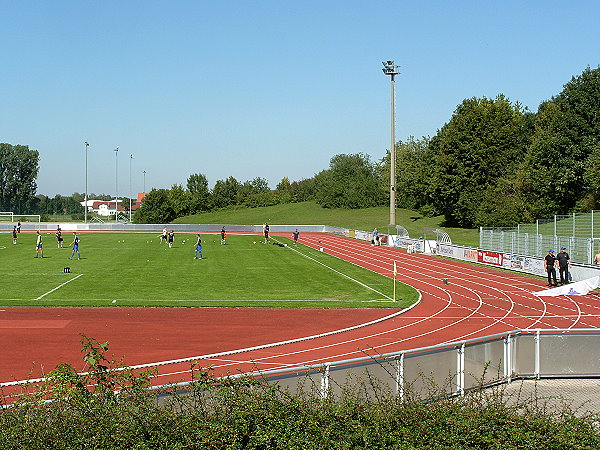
(263, 89)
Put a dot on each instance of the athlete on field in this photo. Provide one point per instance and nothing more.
(38, 245)
(75, 245)
(198, 247)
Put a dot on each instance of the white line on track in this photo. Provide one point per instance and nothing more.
(422, 270)
(340, 273)
(58, 287)
(420, 265)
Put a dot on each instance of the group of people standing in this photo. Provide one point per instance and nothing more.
(167, 236)
(562, 261)
(39, 246)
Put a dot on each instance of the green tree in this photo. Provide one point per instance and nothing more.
(19, 168)
(197, 186)
(254, 193)
(284, 190)
(350, 182)
(303, 190)
(179, 200)
(225, 192)
(567, 131)
(483, 140)
(412, 173)
(592, 178)
(156, 208)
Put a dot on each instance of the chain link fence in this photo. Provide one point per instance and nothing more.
(581, 250)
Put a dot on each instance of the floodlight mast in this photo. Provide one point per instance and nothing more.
(390, 69)
(85, 211)
(117, 184)
(130, 190)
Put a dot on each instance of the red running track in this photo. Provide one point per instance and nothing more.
(477, 301)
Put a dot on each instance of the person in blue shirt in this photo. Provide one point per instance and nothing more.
(375, 237)
(38, 245)
(75, 245)
(198, 247)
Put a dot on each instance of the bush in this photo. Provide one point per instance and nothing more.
(111, 407)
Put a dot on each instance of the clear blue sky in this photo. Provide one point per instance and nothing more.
(262, 88)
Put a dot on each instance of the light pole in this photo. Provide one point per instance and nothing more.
(117, 184)
(86, 183)
(390, 69)
(144, 182)
(130, 191)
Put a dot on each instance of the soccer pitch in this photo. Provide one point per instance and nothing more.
(136, 269)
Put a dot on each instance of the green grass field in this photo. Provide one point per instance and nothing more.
(135, 269)
(309, 213)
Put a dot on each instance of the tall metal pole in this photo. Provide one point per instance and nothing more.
(144, 181)
(390, 69)
(86, 183)
(130, 190)
(117, 184)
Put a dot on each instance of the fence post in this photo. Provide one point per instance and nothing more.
(460, 370)
(507, 359)
(573, 233)
(536, 354)
(400, 377)
(325, 382)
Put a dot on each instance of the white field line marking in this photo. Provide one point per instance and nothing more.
(194, 300)
(58, 287)
(359, 252)
(339, 273)
(243, 350)
(29, 274)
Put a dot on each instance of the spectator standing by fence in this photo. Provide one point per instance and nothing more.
(375, 237)
(550, 267)
(564, 264)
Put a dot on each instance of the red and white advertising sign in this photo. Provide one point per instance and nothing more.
(493, 258)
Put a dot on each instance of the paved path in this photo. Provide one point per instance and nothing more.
(581, 396)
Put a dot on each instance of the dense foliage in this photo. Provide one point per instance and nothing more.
(107, 408)
(19, 168)
(493, 163)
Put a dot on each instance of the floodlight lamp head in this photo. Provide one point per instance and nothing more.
(389, 68)
(117, 149)
(86, 143)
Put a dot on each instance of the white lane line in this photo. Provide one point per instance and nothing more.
(340, 273)
(58, 287)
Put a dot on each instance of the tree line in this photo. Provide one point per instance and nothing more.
(494, 163)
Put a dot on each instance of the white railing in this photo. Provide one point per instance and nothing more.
(454, 367)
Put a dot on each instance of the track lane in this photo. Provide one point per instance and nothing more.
(476, 301)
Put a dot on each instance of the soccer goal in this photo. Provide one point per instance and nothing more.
(12, 218)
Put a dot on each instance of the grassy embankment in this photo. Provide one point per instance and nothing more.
(309, 213)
